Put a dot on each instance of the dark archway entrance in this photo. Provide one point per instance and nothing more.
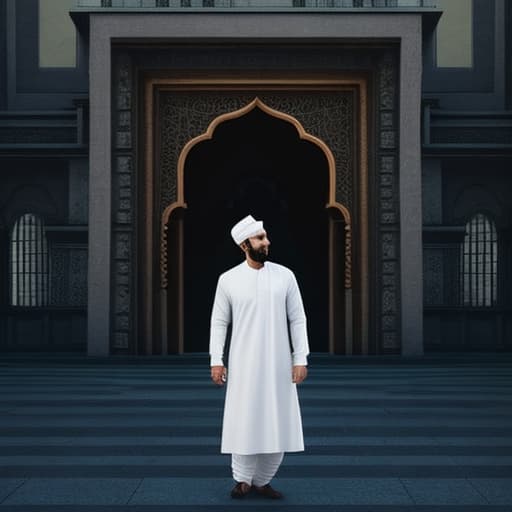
(255, 164)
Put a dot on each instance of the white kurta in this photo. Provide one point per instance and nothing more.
(261, 412)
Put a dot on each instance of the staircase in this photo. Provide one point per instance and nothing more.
(382, 435)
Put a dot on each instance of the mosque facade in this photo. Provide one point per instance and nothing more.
(372, 137)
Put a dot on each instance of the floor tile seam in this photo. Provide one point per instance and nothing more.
(433, 471)
(310, 427)
(319, 409)
(359, 383)
(471, 484)
(187, 403)
(357, 418)
(339, 370)
(141, 480)
(228, 477)
(20, 443)
(192, 411)
(448, 370)
(210, 447)
(23, 482)
(377, 388)
(182, 430)
(314, 374)
(312, 458)
(407, 491)
(391, 383)
(486, 420)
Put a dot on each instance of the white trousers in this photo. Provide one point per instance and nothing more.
(257, 469)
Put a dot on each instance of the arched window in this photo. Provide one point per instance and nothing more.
(480, 262)
(28, 262)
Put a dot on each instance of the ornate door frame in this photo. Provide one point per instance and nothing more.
(156, 210)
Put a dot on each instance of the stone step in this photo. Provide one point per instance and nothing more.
(379, 437)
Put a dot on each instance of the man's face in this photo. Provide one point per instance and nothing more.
(258, 247)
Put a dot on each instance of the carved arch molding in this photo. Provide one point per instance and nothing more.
(330, 116)
(323, 115)
(341, 160)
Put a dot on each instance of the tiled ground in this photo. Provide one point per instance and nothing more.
(382, 435)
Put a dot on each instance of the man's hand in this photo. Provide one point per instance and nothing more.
(219, 375)
(299, 373)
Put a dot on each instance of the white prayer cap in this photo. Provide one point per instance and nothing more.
(246, 228)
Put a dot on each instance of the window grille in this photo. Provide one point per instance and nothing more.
(29, 262)
(480, 262)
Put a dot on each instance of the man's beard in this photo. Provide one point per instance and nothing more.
(257, 255)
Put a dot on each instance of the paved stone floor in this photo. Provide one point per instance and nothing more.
(382, 435)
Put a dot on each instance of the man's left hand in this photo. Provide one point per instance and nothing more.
(299, 373)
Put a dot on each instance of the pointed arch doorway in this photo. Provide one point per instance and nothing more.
(256, 163)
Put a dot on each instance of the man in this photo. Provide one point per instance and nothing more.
(262, 302)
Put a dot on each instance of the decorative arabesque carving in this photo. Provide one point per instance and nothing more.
(301, 132)
(326, 115)
(69, 275)
(388, 231)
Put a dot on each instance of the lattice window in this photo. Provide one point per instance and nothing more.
(480, 262)
(28, 262)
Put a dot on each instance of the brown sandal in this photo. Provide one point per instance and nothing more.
(268, 492)
(240, 490)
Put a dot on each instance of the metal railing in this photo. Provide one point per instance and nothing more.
(253, 4)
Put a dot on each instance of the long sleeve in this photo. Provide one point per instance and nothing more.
(297, 321)
(220, 319)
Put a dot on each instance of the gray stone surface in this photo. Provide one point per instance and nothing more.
(326, 491)
(380, 437)
(306, 27)
(431, 491)
(432, 192)
(78, 191)
(411, 249)
(495, 490)
(98, 311)
(8, 486)
(76, 491)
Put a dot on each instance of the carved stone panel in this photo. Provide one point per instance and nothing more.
(387, 214)
(328, 116)
(68, 275)
(123, 242)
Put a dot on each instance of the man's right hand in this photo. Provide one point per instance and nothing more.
(219, 375)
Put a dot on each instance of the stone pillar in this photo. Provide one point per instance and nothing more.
(98, 318)
(411, 249)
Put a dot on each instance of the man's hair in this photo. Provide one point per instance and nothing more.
(246, 242)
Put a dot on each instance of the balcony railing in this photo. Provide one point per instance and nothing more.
(254, 4)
